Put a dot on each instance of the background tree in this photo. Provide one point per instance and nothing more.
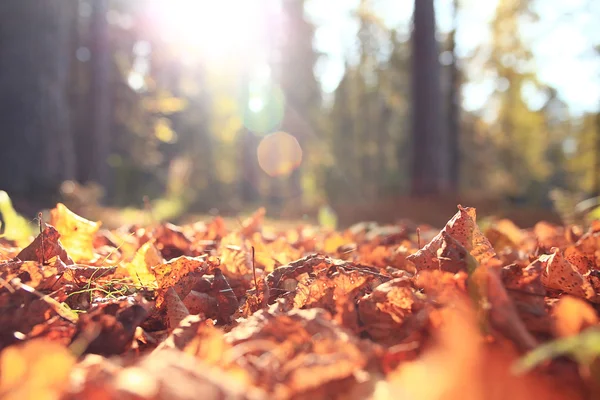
(93, 143)
(296, 64)
(430, 145)
(454, 105)
(34, 71)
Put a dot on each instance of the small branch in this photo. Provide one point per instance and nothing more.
(41, 225)
(254, 272)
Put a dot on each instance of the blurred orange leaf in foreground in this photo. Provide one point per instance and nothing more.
(38, 369)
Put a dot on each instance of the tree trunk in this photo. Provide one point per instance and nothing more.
(94, 147)
(454, 109)
(429, 165)
(36, 152)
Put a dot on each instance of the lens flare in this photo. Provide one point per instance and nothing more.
(264, 108)
(279, 154)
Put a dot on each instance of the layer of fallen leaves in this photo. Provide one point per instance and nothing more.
(373, 312)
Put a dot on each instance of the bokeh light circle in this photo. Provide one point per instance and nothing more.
(263, 109)
(279, 154)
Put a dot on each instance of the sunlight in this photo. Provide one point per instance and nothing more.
(214, 30)
(256, 104)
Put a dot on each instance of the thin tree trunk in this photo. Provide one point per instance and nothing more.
(430, 150)
(454, 109)
(96, 148)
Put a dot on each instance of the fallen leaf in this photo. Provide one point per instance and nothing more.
(140, 268)
(560, 274)
(77, 233)
(37, 369)
(463, 228)
(573, 315)
(44, 247)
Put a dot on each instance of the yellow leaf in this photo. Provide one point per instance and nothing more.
(333, 242)
(76, 233)
(16, 227)
(140, 268)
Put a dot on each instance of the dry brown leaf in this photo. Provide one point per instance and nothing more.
(109, 329)
(201, 303)
(174, 273)
(582, 262)
(227, 302)
(560, 274)
(173, 241)
(183, 334)
(463, 228)
(176, 310)
(499, 307)
(329, 287)
(44, 247)
(524, 287)
(393, 312)
(301, 350)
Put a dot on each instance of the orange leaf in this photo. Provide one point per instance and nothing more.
(572, 315)
(463, 228)
(560, 274)
(38, 369)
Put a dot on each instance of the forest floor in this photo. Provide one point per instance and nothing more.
(256, 309)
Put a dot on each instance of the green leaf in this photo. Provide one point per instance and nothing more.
(327, 217)
(594, 214)
(15, 226)
(584, 348)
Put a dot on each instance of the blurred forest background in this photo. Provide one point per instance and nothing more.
(362, 106)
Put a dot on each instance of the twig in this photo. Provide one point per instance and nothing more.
(149, 210)
(41, 224)
(254, 271)
(419, 237)
(6, 285)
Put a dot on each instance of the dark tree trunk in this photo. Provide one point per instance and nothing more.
(94, 143)
(383, 140)
(454, 109)
(429, 166)
(36, 151)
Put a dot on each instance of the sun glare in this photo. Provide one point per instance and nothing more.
(215, 30)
